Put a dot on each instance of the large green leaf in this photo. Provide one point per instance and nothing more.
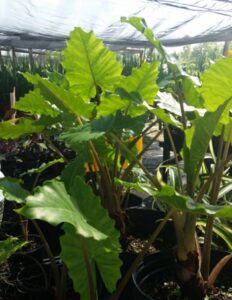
(73, 169)
(136, 124)
(137, 106)
(9, 247)
(64, 99)
(10, 130)
(12, 190)
(191, 92)
(217, 84)
(99, 127)
(34, 103)
(89, 64)
(180, 202)
(43, 167)
(81, 134)
(141, 26)
(142, 81)
(103, 253)
(110, 104)
(52, 203)
(166, 117)
(197, 141)
(185, 203)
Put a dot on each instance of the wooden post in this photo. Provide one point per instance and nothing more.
(12, 103)
(226, 48)
(13, 58)
(141, 56)
(1, 59)
(31, 61)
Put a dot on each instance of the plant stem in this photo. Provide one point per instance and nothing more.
(54, 267)
(107, 195)
(221, 162)
(176, 157)
(181, 101)
(139, 258)
(54, 148)
(63, 282)
(153, 179)
(210, 179)
(92, 289)
(131, 165)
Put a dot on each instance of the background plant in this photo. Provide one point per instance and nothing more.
(188, 200)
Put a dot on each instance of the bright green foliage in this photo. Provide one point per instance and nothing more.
(73, 169)
(44, 166)
(197, 141)
(9, 247)
(222, 230)
(99, 127)
(12, 190)
(225, 190)
(10, 130)
(217, 84)
(165, 117)
(34, 103)
(65, 100)
(142, 81)
(140, 25)
(79, 134)
(53, 204)
(110, 104)
(184, 203)
(89, 64)
(191, 93)
(102, 253)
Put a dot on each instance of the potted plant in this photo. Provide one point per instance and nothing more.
(92, 114)
(195, 193)
(100, 115)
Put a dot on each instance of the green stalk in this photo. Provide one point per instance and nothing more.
(54, 267)
(152, 178)
(221, 162)
(176, 157)
(133, 163)
(92, 289)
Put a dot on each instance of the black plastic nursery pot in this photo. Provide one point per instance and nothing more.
(150, 275)
(30, 255)
(155, 277)
(142, 222)
(32, 282)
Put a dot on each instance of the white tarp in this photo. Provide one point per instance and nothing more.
(45, 24)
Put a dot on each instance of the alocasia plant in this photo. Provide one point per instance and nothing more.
(88, 107)
(92, 109)
(195, 197)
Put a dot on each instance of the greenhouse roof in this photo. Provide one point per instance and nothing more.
(45, 24)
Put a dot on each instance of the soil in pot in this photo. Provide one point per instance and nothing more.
(140, 224)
